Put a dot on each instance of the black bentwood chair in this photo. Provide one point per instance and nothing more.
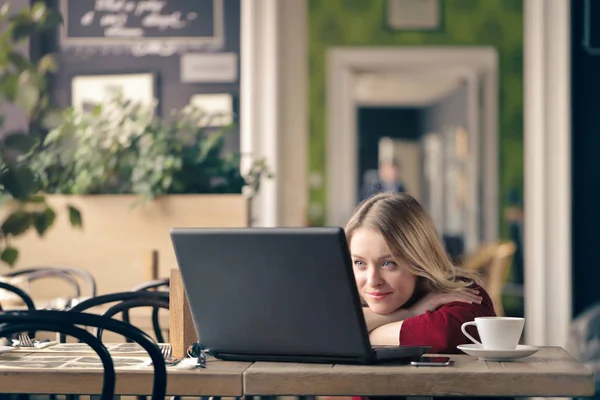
(124, 302)
(67, 274)
(27, 300)
(21, 321)
(155, 284)
(59, 318)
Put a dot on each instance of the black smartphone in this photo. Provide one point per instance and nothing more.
(426, 361)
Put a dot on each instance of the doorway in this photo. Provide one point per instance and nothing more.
(416, 78)
(422, 151)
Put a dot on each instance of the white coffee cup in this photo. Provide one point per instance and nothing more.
(496, 333)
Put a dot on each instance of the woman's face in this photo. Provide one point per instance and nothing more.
(382, 282)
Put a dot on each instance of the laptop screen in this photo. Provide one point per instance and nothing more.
(272, 291)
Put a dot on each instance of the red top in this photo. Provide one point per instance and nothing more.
(440, 329)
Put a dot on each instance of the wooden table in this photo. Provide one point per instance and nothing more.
(550, 372)
(55, 372)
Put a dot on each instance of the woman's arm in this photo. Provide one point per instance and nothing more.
(385, 329)
(388, 334)
(375, 321)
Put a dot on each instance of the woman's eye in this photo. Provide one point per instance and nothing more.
(359, 264)
(389, 264)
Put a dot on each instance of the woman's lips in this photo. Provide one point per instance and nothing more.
(378, 295)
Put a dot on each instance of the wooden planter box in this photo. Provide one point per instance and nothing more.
(117, 240)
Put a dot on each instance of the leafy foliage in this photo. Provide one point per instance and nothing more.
(24, 83)
(122, 147)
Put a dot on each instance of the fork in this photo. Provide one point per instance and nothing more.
(167, 352)
(25, 340)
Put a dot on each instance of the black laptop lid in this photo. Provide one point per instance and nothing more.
(272, 291)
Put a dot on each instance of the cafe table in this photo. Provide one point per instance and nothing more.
(72, 369)
(551, 372)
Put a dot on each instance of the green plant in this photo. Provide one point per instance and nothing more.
(122, 147)
(24, 84)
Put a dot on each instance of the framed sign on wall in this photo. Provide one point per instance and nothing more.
(218, 108)
(414, 14)
(142, 27)
(87, 91)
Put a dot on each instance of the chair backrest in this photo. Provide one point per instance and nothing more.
(68, 274)
(20, 293)
(163, 283)
(27, 300)
(126, 301)
(492, 261)
(498, 273)
(103, 322)
(22, 321)
(481, 257)
(124, 307)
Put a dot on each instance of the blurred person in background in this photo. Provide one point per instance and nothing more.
(388, 180)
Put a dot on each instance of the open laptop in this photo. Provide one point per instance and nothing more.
(277, 294)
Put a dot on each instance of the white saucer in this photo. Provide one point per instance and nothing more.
(476, 350)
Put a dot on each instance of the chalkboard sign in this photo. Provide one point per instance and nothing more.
(172, 24)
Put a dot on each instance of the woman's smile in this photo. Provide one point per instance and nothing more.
(378, 295)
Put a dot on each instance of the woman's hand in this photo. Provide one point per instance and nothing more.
(433, 301)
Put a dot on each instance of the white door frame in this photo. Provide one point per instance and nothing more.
(344, 63)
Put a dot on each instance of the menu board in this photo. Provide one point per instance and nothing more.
(175, 24)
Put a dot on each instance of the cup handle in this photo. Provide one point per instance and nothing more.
(464, 330)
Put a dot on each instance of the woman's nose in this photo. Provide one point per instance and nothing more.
(374, 278)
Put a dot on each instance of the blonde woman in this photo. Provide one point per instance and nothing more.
(415, 296)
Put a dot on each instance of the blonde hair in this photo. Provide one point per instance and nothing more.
(413, 241)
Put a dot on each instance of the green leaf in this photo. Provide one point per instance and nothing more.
(213, 142)
(28, 93)
(4, 9)
(47, 64)
(52, 119)
(4, 198)
(19, 182)
(17, 223)
(37, 199)
(43, 220)
(97, 110)
(75, 217)
(8, 86)
(38, 11)
(20, 141)
(18, 59)
(10, 255)
(22, 29)
(52, 20)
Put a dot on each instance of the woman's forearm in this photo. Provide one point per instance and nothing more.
(387, 335)
(374, 321)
